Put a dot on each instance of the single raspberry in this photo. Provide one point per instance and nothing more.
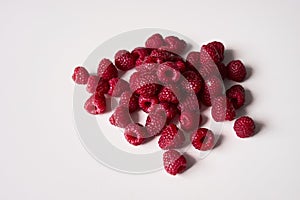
(244, 127)
(174, 162)
(236, 71)
(222, 109)
(135, 134)
(169, 94)
(96, 104)
(167, 74)
(129, 100)
(145, 103)
(192, 83)
(117, 86)
(219, 47)
(236, 94)
(144, 84)
(170, 110)
(208, 54)
(174, 44)
(155, 41)
(189, 103)
(102, 87)
(121, 117)
(203, 139)
(193, 58)
(171, 137)
(107, 70)
(189, 120)
(80, 75)
(140, 53)
(222, 70)
(92, 84)
(160, 56)
(156, 120)
(213, 85)
(124, 60)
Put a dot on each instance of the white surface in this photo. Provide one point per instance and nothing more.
(41, 156)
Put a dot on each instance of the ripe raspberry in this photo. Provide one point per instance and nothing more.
(174, 162)
(145, 103)
(120, 117)
(236, 71)
(219, 47)
(124, 60)
(189, 120)
(222, 109)
(171, 137)
(160, 56)
(96, 104)
(189, 103)
(144, 84)
(129, 100)
(193, 82)
(140, 53)
(107, 70)
(222, 70)
(244, 127)
(205, 97)
(208, 69)
(193, 58)
(147, 67)
(208, 54)
(174, 44)
(203, 139)
(170, 110)
(117, 86)
(155, 41)
(135, 134)
(236, 94)
(167, 74)
(213, 85)
(180, 66)
(92, 84)
(169, 94)
(156, 120)
(102, 87)
(80, 75)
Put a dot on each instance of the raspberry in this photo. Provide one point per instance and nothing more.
(92, 84)
(222, 70)
(219, 47)
(193, 58)
(169, 94)
(193, 82)
(117, 86)
(135, 134)
(208, 54)
(244, 127)
(236, 94)
(205, 97)
(203, 139)
(222, 109)
(147, 67)
(80, 75)
(180, 66)
(145, 103)
(167, 74)
(189, 120)
(174, 44)
(156, 120)
(144, 84)
(124, 60)
(155, 41)
(213, 85)
(140, 53)
(102, 87)
(120, 117)
(96, 104)
(190, 103)
(170, 110)
(107, 70)
(208, 69)
(171, 137)
(160, 56)
(129, 100)
(236, 71)
(174, 162)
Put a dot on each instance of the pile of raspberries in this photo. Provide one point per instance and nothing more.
(169, 88)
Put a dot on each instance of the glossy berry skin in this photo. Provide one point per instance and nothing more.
(236, 71)
(120, 117)
(107, 70)
(244, 127)
(80, 75)
(189, 120)
(124, 60)
(192, 83)
(92, 84)
(236, 94)
(130, 100)
(135, 134)
(222, 109)
(145, 103)
(171, 137)
(203, 139)
(96, 104)
(117, 86)
(174, 162)
(155, 41)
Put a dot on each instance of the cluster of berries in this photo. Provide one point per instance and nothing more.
(165, 85)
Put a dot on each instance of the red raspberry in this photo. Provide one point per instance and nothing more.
(190, 103)
(222, 109)
(145, 103)
(102, 87)
(96, 104)
(193, 58)
(171, 137)
(213, 85)
(107, 70)
(144, 84)
(180, 66)
(236, 94)
(222, 70)
(193, 82)
(121, 117)
(117, 86)
(219, 47)
(92, 84)
(208, 54)
(205, 97)
(140, 53)
(147, 67)
(170, 110)
(189, 120)
(169, 94)
(236, 71)
(135, 134)
(167, 74)
(80, 75)
(174, 162)
(124, 60)
(156, 120)
(155, 41)
(208, 69)
(129, 100)
(203, 139)
(244, 127)
(174, 44)
(160, 56)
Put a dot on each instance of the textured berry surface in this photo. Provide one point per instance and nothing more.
(167, 75)
(92, 84)
(208, 54)
(169, 94)
(189, 103)
(96, 104)
(213, 85)
(117, 86)
(236, 71)
(170, 110)
(174, 44)
(219, 47)
(155, 41)
(244, 127)
(130, 100)
(193, 58)
(124, 60)
(189, 120)
(156, 120)
(140, 53)
(236, 94)
(193, 82)
(144, 84)
(208, 69)
(135, 134)
(222, 109)
(107, 70)
(203, 139)
(160, 56)
(171, 137)
(120, 117)
(145, 103)
(102, 87)
(174, 162)
(80, 75)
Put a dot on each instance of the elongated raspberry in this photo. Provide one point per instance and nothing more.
(203, 139)
(174, 162)
(80, 75)
(208, 54)
(193, 82)
(145, 103)
(174, 44)
(121, 117)
(244, 127)
(102, 87)
(117, 86)
(222, 109)
(130, 100)
(96, 104)
(189, 120)
(144, 84)
(193, 58)
(156, 120)
(167, 75)
(135, 134)
(171, 137)
(169, 94)
(236, 71)
(124, 60)
(155, 41)
(107, 70)
(236, 94)
(92, 84)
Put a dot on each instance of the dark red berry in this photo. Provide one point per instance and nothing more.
(80, 75)
(203, 139)
(170, 110)
(236, 94)
(169, 94)
(244, 127)
(145, 103)
(129, 100)
(121, 117)
(171, 137)
(155, 41)
(222, 109)
(222, 70)
(107, 70)
(135, 134)
(219, 47)
(144, 84)
(236, 71)
(117, 86)
(102, 87)
(174, 162)
(192, 83)
(140, 53)
(96, 104)
(208, 54)
(124, 60)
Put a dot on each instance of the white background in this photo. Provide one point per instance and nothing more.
(41, 156)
